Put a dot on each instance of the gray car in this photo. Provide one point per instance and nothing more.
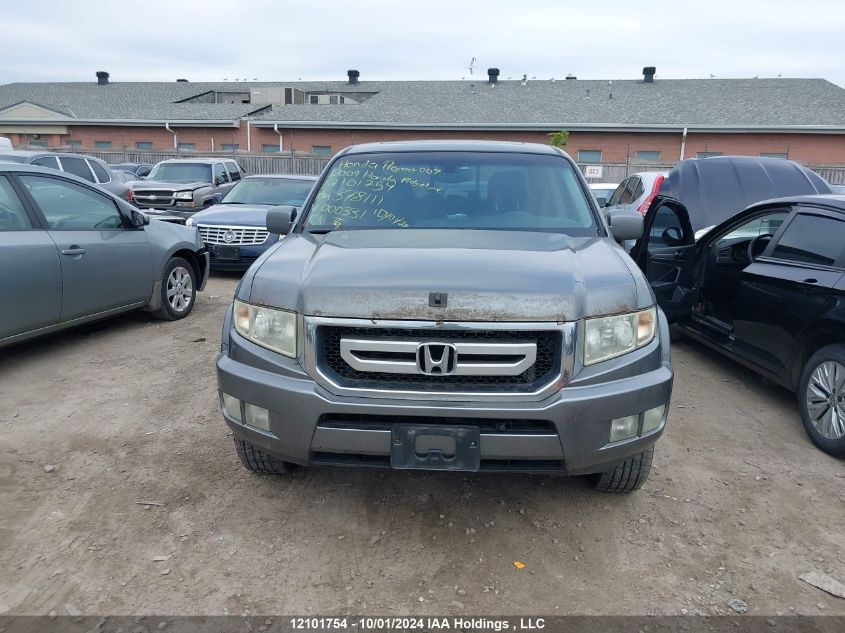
(71, 253)
(178, 188)
(86, 167)
(448, 306)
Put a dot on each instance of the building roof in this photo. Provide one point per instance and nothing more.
(810, 105)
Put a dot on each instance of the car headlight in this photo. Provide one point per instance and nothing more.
(184, 195)
(612, 336)
(270, 328)
(189, 222)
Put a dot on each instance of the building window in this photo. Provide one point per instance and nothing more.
(270, 149)
(73, 143)
(648, 156)
(324, 150)
(707, 154)
(772, 155)
(230, 147)
(191, 147)
(102, 144)
(144, 146)
(589, 155)
(38, 144)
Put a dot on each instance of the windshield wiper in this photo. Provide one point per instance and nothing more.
(320, 231)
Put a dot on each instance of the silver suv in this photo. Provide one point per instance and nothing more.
(181, 187)
(448, 306)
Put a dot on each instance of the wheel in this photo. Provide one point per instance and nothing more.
(256, 460)
(178, 290)
(821, 399)
(626, 476)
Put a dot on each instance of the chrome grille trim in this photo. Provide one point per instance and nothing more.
(309, 362)
(241, 235)
(406, 356)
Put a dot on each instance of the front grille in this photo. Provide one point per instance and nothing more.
(153, 198)
(540, 374)
(486, 425)
(237, 235)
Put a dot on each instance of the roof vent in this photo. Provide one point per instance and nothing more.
(353, 76)
(102, 77)
(181, 81)
(648, 74)
(571, 77)
(492, 75)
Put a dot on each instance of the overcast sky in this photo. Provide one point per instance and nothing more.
(153, 40)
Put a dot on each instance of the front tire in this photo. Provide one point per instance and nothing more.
(178, 290)
(256, 460)
(626, 476)
(821, 399)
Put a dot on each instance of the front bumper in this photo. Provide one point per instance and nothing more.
(566, 432)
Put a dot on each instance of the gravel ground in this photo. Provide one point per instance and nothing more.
(94, 421)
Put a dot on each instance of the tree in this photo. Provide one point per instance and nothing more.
(558, 139)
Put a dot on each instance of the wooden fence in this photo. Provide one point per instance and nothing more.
(279, 163)
(309, 164)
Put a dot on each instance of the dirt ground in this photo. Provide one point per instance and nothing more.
(739, 503)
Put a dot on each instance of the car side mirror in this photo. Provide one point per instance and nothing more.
(280, 219)
(671, 236)
(139, 219)
(219, 180)
(625, 225)
(216, 198)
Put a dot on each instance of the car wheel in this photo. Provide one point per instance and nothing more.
(625, 476)
(821, 399)
(256, 460)
(178, 290)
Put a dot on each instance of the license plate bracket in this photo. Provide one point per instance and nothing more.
(226, 252)
(435, 447)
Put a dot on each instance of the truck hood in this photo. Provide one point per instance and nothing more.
(234, 215)
(487, 275)
(168, 186)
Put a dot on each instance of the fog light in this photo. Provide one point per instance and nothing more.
(231, 406)
(652, 418)
(259, 417)
(623, 428)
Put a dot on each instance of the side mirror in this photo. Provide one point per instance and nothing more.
(219, 180)
(139, 219)
(625, 225)
(672, 236)
(280, 218)
(216, 198)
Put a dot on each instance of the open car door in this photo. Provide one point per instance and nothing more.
(666, 254)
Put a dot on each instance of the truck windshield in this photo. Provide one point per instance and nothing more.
(181, 172)
(269, 191)
(469, 190)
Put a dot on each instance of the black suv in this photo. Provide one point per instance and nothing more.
(765, 287)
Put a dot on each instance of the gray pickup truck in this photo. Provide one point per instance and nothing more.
(179, 188)
(448, 306)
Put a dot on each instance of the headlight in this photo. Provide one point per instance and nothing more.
(189, 222)
(273, 329)
(184, 195)
(612, 336)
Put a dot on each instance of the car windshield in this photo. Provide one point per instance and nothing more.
(269, 191)
(181, 172)
(469, 190)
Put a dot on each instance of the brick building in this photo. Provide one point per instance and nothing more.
(641, 121)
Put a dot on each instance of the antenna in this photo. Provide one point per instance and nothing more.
(472, 64)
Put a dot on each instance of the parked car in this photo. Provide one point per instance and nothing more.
(602, 191)
(5, 143)
(235, 229)
(86, 167)
(71, 253)
(838, 189)
(139, 169)
(126, 176)
(181, 187)
(714, 189)
(765, 286)
(636, 192)
(403, 324)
